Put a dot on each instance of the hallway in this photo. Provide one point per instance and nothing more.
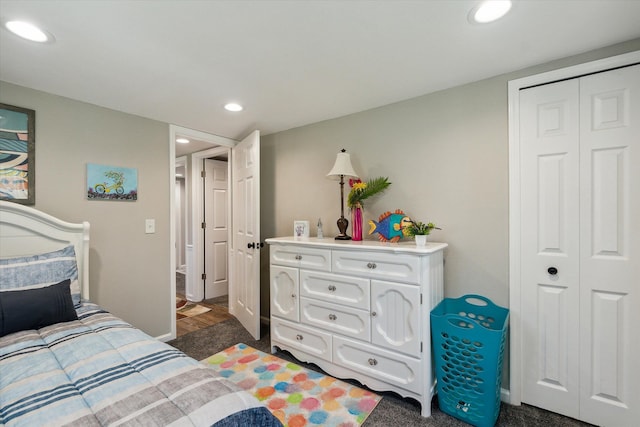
(218, 310)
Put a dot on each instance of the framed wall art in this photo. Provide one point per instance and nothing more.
(300, 229)
(17, 154)
(111, 183)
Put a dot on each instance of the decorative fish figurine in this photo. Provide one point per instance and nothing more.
(390, 226)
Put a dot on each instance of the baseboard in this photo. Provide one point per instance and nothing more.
(505, 395)
(165, 337)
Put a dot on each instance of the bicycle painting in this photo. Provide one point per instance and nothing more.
(111, 183)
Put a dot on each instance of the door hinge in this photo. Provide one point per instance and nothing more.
(420, 346)
(203, 174)
(204, 276)
(204, 225)
(420, 299)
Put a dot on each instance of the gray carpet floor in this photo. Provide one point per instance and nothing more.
(392, 409)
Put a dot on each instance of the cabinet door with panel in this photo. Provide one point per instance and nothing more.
(284, 292)
(395, 315)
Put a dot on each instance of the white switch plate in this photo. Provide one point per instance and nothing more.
(149, 226)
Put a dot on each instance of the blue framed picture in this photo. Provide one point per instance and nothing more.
(17, 154)
(111, 183)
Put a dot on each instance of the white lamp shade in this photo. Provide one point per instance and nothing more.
(342, 166)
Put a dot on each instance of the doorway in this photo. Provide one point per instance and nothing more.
(186, 209)
(243, 257)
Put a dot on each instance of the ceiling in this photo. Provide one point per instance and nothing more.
(290, 63)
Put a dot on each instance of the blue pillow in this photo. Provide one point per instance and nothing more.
(38, 271)
(36, 308)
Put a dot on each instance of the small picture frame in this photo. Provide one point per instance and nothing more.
(301, 229)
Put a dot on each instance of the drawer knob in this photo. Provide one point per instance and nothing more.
(373, 362)
(371, 265)
(298, 257)
(332, 317)
(374, 314)
(299, 337)
(332, 288)
(293, 295)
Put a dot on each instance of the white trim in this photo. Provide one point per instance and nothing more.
(515, 363)
(166, 337)
(200, 136)
(174, 132)
(197, 205)
(172, 232)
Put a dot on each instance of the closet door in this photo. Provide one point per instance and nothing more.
(580, 246)
(610, 247)
(549, 144)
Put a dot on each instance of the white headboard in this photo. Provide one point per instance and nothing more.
(27, 231)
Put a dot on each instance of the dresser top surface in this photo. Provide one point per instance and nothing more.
(372, 245)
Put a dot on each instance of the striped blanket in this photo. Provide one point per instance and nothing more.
(100, 370)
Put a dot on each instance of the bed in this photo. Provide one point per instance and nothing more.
(66, 361)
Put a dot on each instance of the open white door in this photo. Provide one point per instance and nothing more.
(244, 294)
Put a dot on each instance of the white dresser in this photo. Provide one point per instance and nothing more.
(358, 309)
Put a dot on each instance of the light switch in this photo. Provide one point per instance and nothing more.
(149, 226)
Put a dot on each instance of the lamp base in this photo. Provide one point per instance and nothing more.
(343, 223)
(342, 237)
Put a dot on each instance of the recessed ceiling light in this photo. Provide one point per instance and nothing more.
(28, 31)
(182, 140)
(232, 106)
(489, 11)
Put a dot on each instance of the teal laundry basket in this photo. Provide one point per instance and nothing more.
(468, 336)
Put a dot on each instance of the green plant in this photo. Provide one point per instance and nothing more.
(363, 190)
(418, 228)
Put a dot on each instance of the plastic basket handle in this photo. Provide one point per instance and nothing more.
(486, 300)
(455, 319)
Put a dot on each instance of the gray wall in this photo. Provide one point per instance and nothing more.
(129, 270)
(446, 155)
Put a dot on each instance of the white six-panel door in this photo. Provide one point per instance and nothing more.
(550, 310)
(580, 246)
(216, 231)
(244, 295)
(610, 247)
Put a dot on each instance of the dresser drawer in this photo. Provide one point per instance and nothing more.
(387, 366)
(303, 338)
(386, 266)
(336, 318)
(301, 257)
(346, 290)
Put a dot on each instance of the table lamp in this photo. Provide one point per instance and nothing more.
(342, 168)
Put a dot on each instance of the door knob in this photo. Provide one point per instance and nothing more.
(552, 271)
